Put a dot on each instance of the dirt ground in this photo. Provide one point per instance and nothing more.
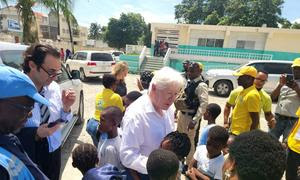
(79, 134)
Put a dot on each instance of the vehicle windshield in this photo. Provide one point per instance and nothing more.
(101, 57)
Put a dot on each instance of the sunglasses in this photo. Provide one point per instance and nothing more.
(51, 75)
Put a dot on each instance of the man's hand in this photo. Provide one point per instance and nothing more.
(68, 98)
(43, 131)
(192, 124)
(191, 174)
(282, 80)
(272, 123)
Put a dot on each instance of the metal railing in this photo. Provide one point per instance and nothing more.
(227, 54)
(142, 56)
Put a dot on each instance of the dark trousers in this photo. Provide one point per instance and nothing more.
(293, 161)
(51, 164)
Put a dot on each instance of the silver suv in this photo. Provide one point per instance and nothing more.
(12, 55)
(223, 82)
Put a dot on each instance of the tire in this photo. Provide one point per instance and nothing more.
(68, 68)
(223, 88)
(82, 75)
(80, 113)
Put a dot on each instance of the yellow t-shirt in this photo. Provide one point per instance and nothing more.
(107, 98)
(265, 99)
(247, 101)
(294, 137)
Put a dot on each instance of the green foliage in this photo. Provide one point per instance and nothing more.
(212, 19)
(126, 30)
(94, 31)
(230, 12)
(295, 25)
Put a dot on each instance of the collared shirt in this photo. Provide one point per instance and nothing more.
(247, 101)
(53, 94)
(12, 144)
(294, 137)
(202, 93)
(265, 99)
(106, 98)
(288, 102)
(143, 131)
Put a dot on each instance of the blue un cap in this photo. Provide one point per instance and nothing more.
(14, 83)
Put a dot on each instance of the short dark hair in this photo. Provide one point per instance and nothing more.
(146, 77)
(180, 142)
(214, 110)
(263, 71)
(37, 53)
(258, 155)
(115, 112)
(162, 164)
(85, 157)
(133, 95)
(218, 134)
(108, 80)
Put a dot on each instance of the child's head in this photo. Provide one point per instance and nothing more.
(85, 157)
(131, 97)
(110, 119)
(212, 111)
(146, 78)
(177, 142)
(162, 165)
(216, 140)
(109, 81)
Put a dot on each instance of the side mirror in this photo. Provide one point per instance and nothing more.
(75, 74)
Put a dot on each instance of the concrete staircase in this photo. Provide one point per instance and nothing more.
(152, 63)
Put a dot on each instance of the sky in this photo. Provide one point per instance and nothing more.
(88, 11)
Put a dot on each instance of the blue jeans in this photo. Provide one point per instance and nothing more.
(283, 126)
(91, 128)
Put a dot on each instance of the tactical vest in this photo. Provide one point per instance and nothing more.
(16, 169)
(192, 100)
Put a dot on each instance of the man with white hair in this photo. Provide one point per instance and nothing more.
(149, 119)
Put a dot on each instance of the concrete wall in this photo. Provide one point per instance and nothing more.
(267, 39)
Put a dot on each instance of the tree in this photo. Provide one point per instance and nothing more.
(212, 19)
(295, 25)
(254, 12)
(64, 6)
(146, 37)
(285, 23)
(126, 30)
(94, 31)
(230, 12)
(196, 11)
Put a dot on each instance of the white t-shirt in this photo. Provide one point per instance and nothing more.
(109, 152)
(210, 167)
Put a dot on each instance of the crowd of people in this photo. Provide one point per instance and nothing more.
(160, 48)
(135, 135)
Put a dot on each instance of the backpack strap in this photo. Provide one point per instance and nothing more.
(16, 169)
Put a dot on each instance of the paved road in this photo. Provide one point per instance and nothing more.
(79, 135)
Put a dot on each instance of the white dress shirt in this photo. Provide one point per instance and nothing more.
(53, 94)
(143, 131)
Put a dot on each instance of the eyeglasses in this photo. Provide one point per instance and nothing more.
(51, 75)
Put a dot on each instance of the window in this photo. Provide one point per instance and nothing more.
(81, 56)
(241, 44)
(117, 53)
(12, 58)
(63, 76)
(74, 56)
(274, 68)
(210, 42)
(101, 57)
